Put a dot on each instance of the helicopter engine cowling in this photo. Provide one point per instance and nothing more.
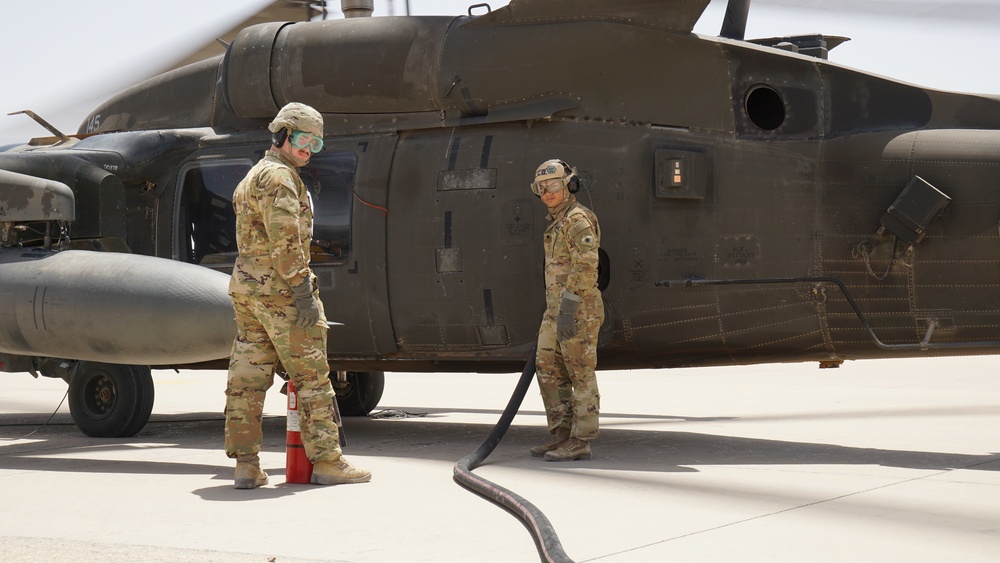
(329, 66)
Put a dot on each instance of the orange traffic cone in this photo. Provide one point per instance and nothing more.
(298, 468)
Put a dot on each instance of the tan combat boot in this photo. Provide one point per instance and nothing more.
(571, 450)
(338, 473)
(249, 475)
(558, 437)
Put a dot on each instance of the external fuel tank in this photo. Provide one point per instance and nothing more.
(112, 307)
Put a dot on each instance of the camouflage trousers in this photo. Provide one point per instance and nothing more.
(566, 377)
(266, 334)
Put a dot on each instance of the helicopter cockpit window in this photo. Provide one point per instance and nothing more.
(329, 176)
(207, 223)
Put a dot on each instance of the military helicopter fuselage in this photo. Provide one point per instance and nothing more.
(758, 203)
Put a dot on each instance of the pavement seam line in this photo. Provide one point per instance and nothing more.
(793, 508)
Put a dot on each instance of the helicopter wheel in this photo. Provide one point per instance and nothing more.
(110, 400)
(362, 393)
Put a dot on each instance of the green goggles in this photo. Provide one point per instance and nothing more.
(301, 140)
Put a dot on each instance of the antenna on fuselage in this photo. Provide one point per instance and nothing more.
(734, 25)
(357, 8)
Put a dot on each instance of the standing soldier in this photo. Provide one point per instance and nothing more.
(574, 311)
(279, 316)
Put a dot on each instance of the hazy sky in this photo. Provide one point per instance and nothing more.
(64, 57)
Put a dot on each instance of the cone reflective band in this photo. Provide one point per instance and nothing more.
(298, 468)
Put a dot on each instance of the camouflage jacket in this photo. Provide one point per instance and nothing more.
(273, 228)
(571, 243)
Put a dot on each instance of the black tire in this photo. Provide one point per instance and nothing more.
(110, 400)
(362, 394)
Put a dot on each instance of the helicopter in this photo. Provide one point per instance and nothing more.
(759, 203)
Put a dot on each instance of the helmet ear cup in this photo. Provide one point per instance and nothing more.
(573, 184)
(278, 139)
(571, 181)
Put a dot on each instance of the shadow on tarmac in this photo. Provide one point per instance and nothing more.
(60, 447)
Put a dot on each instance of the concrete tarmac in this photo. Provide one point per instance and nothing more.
(876, 461)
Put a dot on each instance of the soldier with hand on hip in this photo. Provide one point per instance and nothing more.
(567, 339)
(279, 316)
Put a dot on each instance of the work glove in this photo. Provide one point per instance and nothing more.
(566, 321)
(306, 304)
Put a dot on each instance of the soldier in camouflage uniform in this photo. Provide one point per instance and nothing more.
(279, 316)
(567, 339)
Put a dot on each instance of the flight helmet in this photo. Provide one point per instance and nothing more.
(555, 169)
(297, 117)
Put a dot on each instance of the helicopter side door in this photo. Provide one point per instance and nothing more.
(347, 190)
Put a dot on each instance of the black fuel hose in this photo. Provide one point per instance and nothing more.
(541, 530)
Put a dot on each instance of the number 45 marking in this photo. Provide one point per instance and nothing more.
(94, 123)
